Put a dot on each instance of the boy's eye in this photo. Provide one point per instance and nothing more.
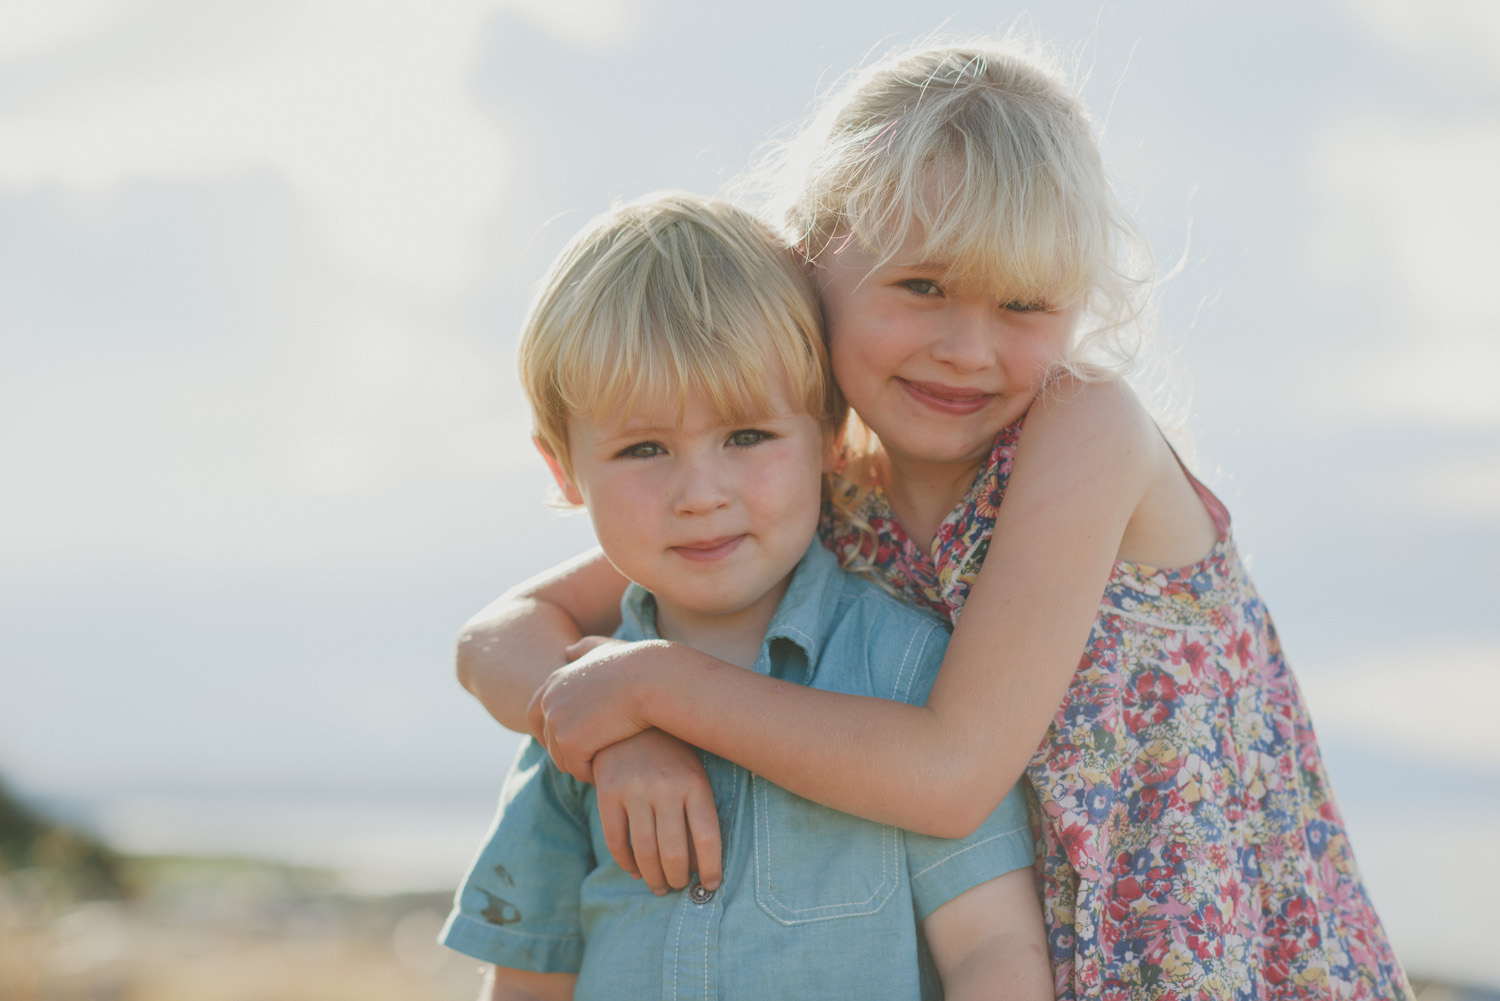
(1022, 306)
(749, 437)
(640, 450)
(922, 286)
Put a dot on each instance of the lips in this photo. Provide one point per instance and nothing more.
(955, 400)
(709, 549)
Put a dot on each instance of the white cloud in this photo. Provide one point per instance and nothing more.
(31, 26)
(1467, 487)
(1457, 39)
(354, 411)
(363, 106)
(1438, 703)
(1407, 210)
(597, 24)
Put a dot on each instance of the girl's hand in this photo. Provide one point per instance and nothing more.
(586, 705)
(658, 812)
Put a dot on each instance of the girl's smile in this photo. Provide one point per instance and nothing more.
(947, 399)
(936, 368)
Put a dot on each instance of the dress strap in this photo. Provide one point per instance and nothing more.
(1216, 508)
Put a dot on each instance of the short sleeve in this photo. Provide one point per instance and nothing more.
(519, 903)
(943, 868)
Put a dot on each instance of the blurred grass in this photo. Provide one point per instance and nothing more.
(221, 930)
(79, 921)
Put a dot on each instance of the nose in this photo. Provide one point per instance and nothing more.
(969, 342)
(701, 485)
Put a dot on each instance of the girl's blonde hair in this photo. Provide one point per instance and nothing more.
(983, 151)
(665, 296)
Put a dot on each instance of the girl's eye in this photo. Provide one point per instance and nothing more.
(640, 450)
(1022, 306)
(749, 437)
(922, 286)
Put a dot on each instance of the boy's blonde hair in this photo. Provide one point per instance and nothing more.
(983, 151)
(668, 295)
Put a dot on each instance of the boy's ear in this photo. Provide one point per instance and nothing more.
(564, 481)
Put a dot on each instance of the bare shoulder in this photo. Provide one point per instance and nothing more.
(1097, 437)
(1100, 430)
(1107, 410)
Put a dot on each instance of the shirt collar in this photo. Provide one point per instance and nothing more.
(803, 618)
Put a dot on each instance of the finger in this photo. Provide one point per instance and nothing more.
(703, 823)
(583, 771)
(643, 845)
(672, 847)
(536, 719)
(616, 824)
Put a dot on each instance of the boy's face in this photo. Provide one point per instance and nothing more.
(709, 516)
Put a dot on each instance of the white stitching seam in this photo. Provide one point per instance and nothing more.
(887, 880)
(948, 858)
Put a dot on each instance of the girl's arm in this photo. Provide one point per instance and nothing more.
(1082, 468)
(508, 649)
(658, 808)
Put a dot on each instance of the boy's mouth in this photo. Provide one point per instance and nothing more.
(955, 400)
(709, 549)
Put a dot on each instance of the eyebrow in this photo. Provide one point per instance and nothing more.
(639, 431)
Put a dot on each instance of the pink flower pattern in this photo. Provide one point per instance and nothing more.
(1189, 844)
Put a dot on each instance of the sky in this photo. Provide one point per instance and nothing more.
(262, 448)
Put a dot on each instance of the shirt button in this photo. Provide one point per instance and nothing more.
(699, 894)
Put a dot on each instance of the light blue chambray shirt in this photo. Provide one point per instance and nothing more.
(814, 903)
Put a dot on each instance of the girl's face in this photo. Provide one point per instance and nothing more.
(934, 367)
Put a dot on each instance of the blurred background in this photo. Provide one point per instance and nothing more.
(262, 449)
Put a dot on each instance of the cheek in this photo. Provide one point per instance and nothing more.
(858, 356)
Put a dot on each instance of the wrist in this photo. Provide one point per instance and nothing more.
(646, 680)
(668, 689)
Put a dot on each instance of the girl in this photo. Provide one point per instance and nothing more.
(973, 271)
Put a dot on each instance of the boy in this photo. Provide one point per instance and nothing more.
(675, 367)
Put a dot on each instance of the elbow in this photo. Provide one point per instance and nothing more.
(956, 809)
(466, 656)
(956, 821)
(963, 787)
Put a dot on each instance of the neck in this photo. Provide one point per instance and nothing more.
(734, 637)
(922, 493)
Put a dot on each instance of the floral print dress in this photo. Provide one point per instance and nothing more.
(1188, 843)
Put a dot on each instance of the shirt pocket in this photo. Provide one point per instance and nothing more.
(817, 864)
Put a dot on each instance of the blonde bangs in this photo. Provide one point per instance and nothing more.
(982, 154)
(649, 365)
(670, 296)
